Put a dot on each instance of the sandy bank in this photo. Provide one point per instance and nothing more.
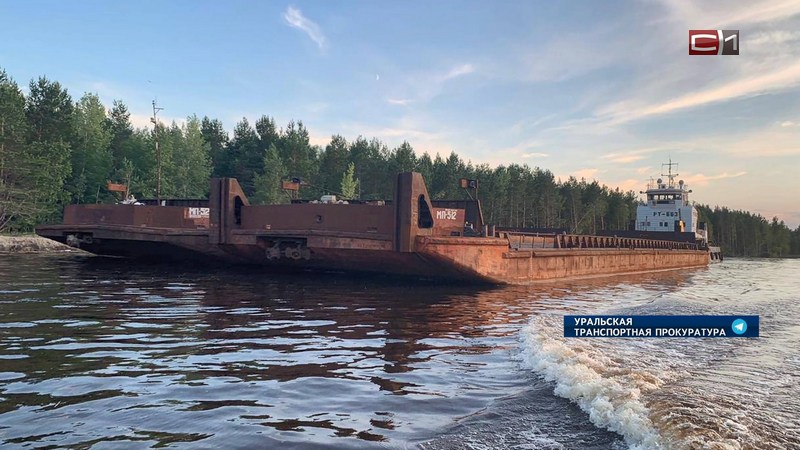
(30, 244)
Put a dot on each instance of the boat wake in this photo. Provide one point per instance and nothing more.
(720, 394)
(603, 383)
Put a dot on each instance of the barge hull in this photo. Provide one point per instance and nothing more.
(508, 266)
(409, 236)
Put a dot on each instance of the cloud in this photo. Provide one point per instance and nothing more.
(531, 122)
(746, 13)
(415, 129)
(703, 180)
(318, 139)
(588, 174)
(424, 85)
(315, 108)
(675, 82)
(771, 140)
(624, 159)
(630, 184)
(774, 80)
(771, 40)
(765, 11)
(630, 156)
(520, 150)
(135, 97)
(407, 134)
(562, 54)
(108, 91)
(295, 19)
(399, 101)
(767, 142)
(455, 72)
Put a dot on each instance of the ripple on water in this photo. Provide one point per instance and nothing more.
(154, 357)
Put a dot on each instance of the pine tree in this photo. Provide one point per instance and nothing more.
(192, 163)
(173, 169)
(267, 132)
(216, 137)
(15, 168)
(370, 168)
(333, 162)
(267, 184)
(349, 184)
(49, 111)
(243, 149)
(91, 155)
(118, 124)
(299, 157)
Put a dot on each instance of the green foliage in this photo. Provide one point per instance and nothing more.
(216, 137)
(49, 111)
(194, 168)
(53, 151)
(91, 155)
(185, 161)
(268, 134)
(133, 152)
(299, 156)
(49, 164)
(126, 174)
(349, 184)
(118, 124)
(741, 233)
(14, 167)
(794, 243)
(169, 138)
(367, 156)
(244, 158)
(333, 162)
(268, 183)
(47, 156)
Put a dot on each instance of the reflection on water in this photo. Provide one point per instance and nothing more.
(94, 353)
(725, 394)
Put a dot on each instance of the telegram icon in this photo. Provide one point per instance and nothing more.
(739, 326)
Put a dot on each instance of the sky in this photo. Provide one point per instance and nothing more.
(601, 90)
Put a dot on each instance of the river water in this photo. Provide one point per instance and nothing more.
(96, 353)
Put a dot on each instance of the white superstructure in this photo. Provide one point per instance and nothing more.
(667, 207)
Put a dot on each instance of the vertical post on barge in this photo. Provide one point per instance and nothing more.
(158, 151)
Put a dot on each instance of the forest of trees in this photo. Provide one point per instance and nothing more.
(55, 150)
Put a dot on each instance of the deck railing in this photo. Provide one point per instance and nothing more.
(529, 241)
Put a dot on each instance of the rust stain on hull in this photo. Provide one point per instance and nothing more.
(493, 261)
(410, 235)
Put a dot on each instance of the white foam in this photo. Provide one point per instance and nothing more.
(606, 388)
(721, 394)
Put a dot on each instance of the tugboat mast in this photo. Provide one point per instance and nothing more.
(670, 176)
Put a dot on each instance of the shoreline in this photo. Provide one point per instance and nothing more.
(31, 243)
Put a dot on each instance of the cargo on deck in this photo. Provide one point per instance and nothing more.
(409, 235)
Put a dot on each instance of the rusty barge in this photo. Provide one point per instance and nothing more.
(409, 235)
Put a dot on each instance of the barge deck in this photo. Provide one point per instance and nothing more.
(410, 235)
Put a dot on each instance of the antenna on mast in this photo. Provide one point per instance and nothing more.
(670, 176)
(156, 109)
